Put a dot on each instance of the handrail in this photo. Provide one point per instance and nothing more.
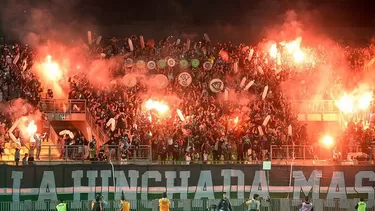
(314, 106)
(56, 103)
(98, 132)
(309, 152)
(53, 135)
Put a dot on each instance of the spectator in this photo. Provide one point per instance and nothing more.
(17, 156)
(164, 203)
(224, 204)
(254, 204)
(25, 159)
(307, 205)
(361, 205)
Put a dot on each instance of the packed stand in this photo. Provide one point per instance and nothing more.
(214, 128)
(210, 130)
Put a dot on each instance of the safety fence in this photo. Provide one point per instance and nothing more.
(60, 110)
(50, 154)
(314, 106)
(63, 106)
(189, 205)
(315, 152)
(56, 154)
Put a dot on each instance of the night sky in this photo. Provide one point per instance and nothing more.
(122, 16)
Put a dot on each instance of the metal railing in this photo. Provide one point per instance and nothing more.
(308, 152)
(314, 106)
(188, 205)
(81, 154)
(63, 106)
(53, 135)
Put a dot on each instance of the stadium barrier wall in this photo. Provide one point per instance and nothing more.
(145, 182)
(186, 205)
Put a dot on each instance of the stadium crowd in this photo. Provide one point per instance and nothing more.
(240, 123)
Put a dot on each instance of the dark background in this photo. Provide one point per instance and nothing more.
(239, 20)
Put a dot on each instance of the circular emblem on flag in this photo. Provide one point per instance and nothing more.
(195, 63)
(216, 85)
(207, 65)
(171, 62)
(129, 62)
(161, 81)
(151, 65)
(184, 79)
(184, 63)
(129, 80)
(141, 64)
(162, 63)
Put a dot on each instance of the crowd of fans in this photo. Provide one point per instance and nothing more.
(214, 127)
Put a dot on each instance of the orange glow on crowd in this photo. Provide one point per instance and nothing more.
(293, 48)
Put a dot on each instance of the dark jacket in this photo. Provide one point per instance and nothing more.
(224, 205)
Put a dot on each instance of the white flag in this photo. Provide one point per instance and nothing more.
(179, 113)
(260, 70)
(265, 92)
(242, 84)
(290, 130)
(226, 93)
(142, 41)
(250, 56)
(130, 42)
(188, 44)
(235, 67)
(111, 122)
(206, 37)
(266, 120)
(260, 130)
(98, 40)
(16, 58)
(89, 37)
(249, 85)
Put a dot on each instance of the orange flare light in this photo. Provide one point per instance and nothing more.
(31, 128)
(51, 69)
(273, 51)
(235, 120)
(156, 105)
(294, 49)
(327, 141)
(355, 102)
(345, 104)
(364, 100)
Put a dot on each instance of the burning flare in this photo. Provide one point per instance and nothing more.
(156, 105)
(294, 49)
(51, 69)
(31, 128)
(354, 102)
(235, 120)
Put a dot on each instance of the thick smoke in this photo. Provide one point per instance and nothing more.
(35, 22)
